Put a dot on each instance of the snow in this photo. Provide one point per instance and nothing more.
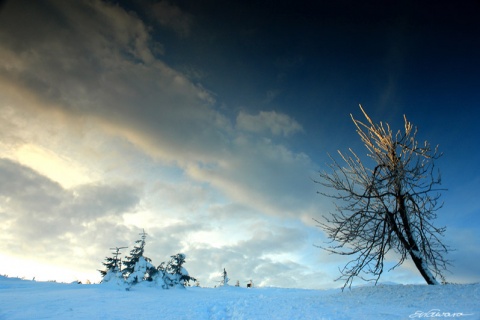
(114, 278)
(138, 271)
(21, 299)
(183, 271)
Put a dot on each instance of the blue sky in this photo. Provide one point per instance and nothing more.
(205, 123)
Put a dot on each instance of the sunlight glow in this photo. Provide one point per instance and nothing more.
(30, 269)
(56, 167)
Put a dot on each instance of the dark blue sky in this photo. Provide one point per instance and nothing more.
(319, 60)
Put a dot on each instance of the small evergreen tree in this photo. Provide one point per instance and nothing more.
(174, 274)
(151, 272)
(225, 278)
(110, 265)
(140, 271)
(113, 263)
(133, 260)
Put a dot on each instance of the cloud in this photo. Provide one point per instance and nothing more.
(271, 240)
(262, 175)
(99, 66)
(266, 256)
(111, 81)
(81, 83)
(25, 189)
(172, 16)
(39, 215)
(268, 121)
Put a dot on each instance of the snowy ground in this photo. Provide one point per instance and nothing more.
(21, 299)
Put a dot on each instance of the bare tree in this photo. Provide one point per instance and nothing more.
(388, 208)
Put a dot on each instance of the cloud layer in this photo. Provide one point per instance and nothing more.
(92, 86)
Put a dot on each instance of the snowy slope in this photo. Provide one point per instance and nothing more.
(21, 299)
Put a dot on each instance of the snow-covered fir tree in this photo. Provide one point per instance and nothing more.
(136, 265)
(110, 265)
(113, 275)
(113, 263)
(137, 268)
(139, 271)
(174, 274)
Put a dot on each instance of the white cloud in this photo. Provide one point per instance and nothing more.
(40, 216)
(260, 174)
(268, 121)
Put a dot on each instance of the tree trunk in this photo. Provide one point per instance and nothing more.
(426, 274)
(411, 245)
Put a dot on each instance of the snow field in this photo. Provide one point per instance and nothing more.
(44, 300)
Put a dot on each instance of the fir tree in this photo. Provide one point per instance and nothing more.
(133, 259)
(113, 263)
(225, 278)
(175, 275)
(151, 272)
(137, 268)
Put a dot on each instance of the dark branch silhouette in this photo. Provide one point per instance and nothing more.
(387, 207)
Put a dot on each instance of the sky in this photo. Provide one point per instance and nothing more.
(205, 123)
